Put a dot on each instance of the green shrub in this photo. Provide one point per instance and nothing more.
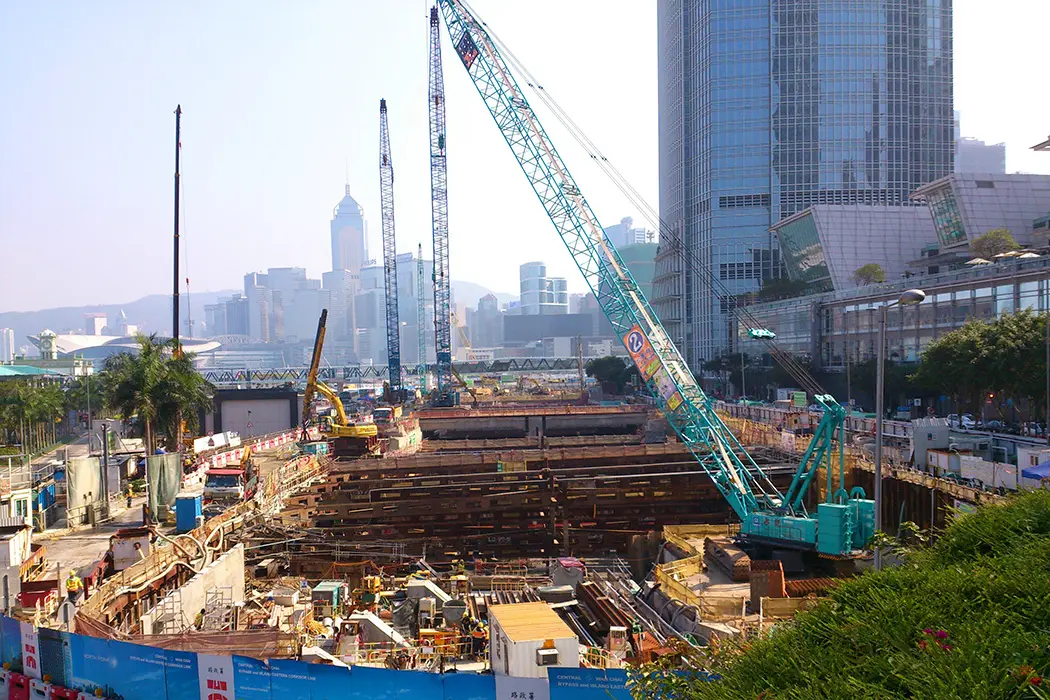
(969, 617)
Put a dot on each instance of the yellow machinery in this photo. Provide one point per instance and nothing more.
(338, 425)
(465, 342)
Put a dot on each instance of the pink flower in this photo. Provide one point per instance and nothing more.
(922, 643)
(928, 631)
(941, 634)
(946, 647)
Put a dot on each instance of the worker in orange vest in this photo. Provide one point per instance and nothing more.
(478, 638)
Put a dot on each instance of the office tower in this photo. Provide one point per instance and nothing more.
(767, 107)
(540, 294)
(349, 245)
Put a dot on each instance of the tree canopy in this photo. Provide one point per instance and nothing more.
(157, 387)
(611, 371)
(872, 273)
(781, 288)
(1006, 356)
(995, 242)
(30, 411)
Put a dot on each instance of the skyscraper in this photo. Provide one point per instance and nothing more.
(769, 106)
(7, 344)
(349, 245)
(541, 294)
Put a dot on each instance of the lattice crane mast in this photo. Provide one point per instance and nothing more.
(844, 523)
(386, 197)
(421, 318)
(439, 218)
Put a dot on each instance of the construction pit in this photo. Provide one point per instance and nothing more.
(398, 557)
(561, 504)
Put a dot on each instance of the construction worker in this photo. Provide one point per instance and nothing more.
(130, 495)
(478, 638)
(73, 587)
(198, 622)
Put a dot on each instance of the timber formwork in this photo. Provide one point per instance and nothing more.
(504, 503)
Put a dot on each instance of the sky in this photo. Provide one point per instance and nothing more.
(280, 108)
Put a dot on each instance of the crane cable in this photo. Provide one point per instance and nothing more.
(795, 369)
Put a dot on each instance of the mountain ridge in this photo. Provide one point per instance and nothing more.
(152, 313)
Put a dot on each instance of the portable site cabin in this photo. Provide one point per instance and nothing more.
(527, 638)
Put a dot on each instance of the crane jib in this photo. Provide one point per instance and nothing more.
(766, 515)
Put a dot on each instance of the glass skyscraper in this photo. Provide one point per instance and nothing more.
(770, 106)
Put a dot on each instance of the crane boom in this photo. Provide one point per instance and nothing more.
(386, 196)
(439, 217)
(421, 318)
(766, 515)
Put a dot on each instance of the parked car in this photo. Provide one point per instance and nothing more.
(964, 422)
(993, 426)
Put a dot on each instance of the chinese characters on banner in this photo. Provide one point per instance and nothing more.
(513, 688)
(215, 674)
(30, 650)
(642, 352)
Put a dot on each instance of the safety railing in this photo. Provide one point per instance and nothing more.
(670, 578)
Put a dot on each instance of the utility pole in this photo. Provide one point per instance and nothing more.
(105, 470)
(175, 291)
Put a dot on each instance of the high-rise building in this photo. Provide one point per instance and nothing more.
(215, 319)
(488, 323)
(258, 299)
(7, 344)
(342, 287)
(975, 156)
(237, 315)
(349, 242)
(540, 294)
(767, 107)
(94, 324)
(626, 233)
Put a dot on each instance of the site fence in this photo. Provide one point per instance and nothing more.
(107, 668)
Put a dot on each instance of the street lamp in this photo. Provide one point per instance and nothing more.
(908, 298)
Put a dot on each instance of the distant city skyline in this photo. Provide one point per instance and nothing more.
(271, 139)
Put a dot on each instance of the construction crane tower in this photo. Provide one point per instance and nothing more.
(386, 196)
(421, 318)
(439, 217)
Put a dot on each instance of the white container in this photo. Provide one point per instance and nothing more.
(525, 639)
(285, 596)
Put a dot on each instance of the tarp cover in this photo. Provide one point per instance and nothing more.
(164, 474)
(1039, 471)
(84, 487)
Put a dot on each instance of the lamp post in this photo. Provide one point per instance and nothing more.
(908, 298)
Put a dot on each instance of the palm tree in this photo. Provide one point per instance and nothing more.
(185, 394)
(157, 387)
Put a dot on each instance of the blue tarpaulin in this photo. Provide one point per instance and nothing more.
(1039, 471)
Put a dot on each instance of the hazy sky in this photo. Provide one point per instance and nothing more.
(280, 105)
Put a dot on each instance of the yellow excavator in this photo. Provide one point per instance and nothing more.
(338, 425)
(465, 342)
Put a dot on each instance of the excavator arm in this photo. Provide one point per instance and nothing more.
(315, 364)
